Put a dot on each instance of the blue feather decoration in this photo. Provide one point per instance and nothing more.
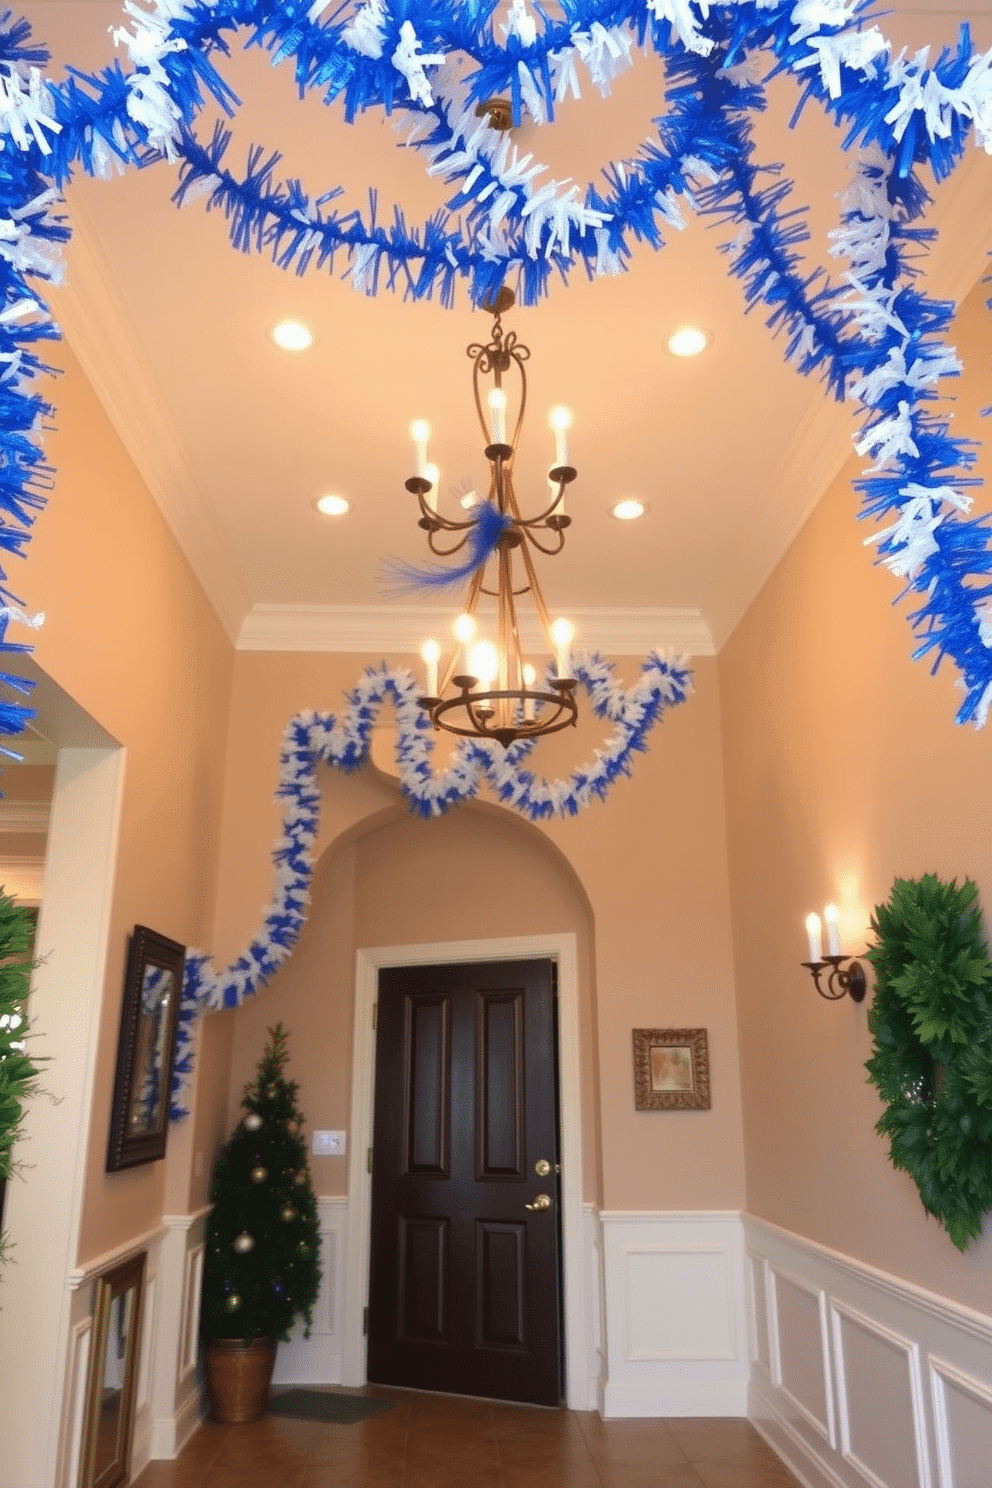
(488, 525)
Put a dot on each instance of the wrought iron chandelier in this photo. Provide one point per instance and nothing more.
(496, 692)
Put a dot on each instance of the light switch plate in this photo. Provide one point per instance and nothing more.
(329, 1143)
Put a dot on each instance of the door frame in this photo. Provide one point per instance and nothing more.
(562, 949)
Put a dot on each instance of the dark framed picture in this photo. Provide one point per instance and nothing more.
(671, 1069)
(146, 1048)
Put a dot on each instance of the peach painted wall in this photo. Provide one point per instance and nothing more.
(129, 635)
(642, 879)
(845, 769)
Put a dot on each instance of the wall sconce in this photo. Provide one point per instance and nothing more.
(852, 980)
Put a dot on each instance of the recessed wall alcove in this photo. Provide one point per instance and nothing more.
(476, 874)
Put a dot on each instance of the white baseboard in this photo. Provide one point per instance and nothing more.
(676, 1333)
(860, 1379)
(670, 1398)
(169, 1434)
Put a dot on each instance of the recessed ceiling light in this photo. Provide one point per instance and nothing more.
(292, 335)
(628, 510)
(688, 341)
(332, 506)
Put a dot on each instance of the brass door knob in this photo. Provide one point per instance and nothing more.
(543, 1201)
(542, 1167)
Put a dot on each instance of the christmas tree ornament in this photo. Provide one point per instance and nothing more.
(288, 1214)
(253, 1121)
(303, 1248)
(272, 1091)
(244, 1243)
(259, 1174)
(300, 1178)
(232, 1303)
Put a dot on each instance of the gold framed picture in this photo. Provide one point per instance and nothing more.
(671, 1069)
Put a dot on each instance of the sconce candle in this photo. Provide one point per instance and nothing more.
(840, 980)
(831, 918)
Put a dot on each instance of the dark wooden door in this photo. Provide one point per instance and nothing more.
(464, 1293)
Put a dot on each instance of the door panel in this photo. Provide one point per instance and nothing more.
(464, 1289)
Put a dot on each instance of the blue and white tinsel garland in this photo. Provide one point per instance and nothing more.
(314, 739)
(871, 334)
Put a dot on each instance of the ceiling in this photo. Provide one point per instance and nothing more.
(236, 438)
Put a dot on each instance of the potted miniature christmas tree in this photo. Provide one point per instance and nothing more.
(262, 1264)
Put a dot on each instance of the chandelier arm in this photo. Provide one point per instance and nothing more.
(515, 353)
(494, 593)
(480, 710)
(542, 518)
(445, 552)
(438, 523)
(476, 370)
(429, 518)
(550, 552)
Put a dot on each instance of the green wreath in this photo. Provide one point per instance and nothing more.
(931, 1021)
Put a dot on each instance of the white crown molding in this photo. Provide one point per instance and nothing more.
(96, 325)
(403, 628)
(24, 816)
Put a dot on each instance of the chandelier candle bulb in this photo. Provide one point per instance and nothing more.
(831, 918)
(420, 432)
(497, 409)
(563, 634)
(560, 420)
(553, 488)
(530, 677)
(430, 653)
(814, 936)
(433, 474)
(484, 662)
(465, 628)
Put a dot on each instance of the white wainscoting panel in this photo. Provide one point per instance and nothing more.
(800, 1356)
(863, 1350)
(317, 1360)
(176, 1406)
(75, 1399)
(192, 1285)
(870, 1381)
(675, 1326)
(963, 1419)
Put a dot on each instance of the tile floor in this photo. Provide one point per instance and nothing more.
(445, 1441)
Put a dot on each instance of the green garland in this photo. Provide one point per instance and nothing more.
(931, 1020)
(18, 1072)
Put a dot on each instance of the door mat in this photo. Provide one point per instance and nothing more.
(322, 1405)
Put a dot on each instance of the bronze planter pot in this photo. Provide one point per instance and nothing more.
(239, 1371)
